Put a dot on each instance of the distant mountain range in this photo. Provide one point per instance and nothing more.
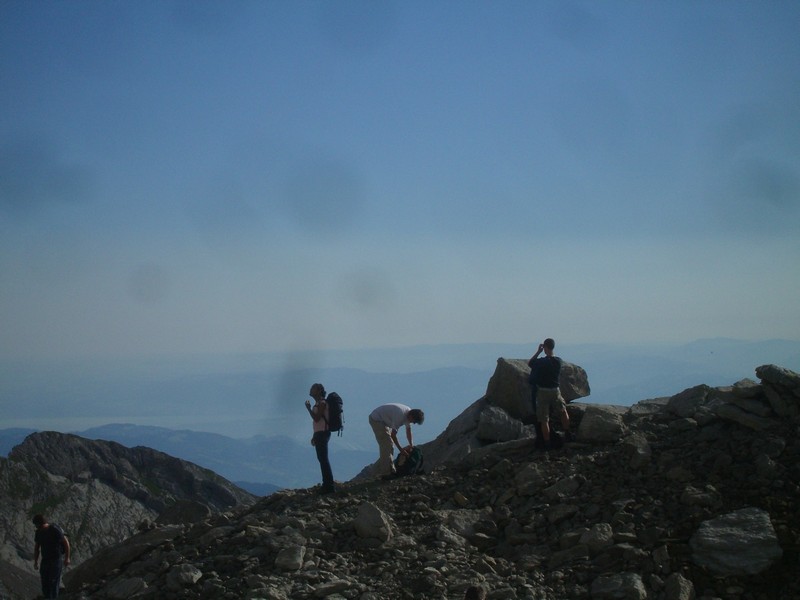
(259, 464)
(243, 416)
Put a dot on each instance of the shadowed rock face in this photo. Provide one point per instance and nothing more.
(151, 477)
(100, 493)
(668, 499)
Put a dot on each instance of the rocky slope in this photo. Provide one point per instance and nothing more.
(693, 496)
(100, 492)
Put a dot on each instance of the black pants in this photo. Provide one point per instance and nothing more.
(321, 439)
(50, 572)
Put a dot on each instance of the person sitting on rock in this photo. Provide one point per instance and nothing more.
(385, 421)
(545, 373)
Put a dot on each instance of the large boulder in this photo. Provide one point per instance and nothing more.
(509, 388)
(372, 522)
(782, 389)
(602, 424)
(496, 425)
(741, 542)
(500, 415)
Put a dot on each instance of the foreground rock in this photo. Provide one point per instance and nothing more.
(687, 499)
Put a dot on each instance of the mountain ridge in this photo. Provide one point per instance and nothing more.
(693, 495)
(635, 508)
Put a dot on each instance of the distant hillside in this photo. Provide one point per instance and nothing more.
(268, 463)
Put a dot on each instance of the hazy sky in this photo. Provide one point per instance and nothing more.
(193, 176)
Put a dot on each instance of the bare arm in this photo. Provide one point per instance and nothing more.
(318, 411)
(67, 549)
(396, 441)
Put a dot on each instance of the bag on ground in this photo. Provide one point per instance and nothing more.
(413, 464)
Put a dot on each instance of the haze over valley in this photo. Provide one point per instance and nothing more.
(243, 416)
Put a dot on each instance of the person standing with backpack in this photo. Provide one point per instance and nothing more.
(322, 435)
(51, 543)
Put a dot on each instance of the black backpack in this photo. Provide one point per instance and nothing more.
(413, 464)
(335, 418)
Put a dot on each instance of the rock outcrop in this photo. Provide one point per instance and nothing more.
(504, 414)
(670, 499)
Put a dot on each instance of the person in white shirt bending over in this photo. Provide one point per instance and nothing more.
(385, 421)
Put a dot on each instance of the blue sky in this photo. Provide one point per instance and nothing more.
(215, 177)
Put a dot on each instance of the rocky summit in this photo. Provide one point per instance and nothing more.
(690, 496)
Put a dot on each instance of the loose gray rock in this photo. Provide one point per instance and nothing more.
(496, 425)
(678, 588)
(601, 424)
(290, 558)
(743, 541)
(371, 522)
(620, 586)
(182, 576)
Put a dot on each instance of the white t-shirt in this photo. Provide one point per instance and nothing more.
(391, 415)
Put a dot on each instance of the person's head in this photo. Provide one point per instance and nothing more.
(317, 391)
(475, 592)
(39, 520)
(416, 416)
(549, 344)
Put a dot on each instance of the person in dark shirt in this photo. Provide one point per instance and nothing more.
(545, 373)
(51, 543)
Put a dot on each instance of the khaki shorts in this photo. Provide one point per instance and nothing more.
(547, 401)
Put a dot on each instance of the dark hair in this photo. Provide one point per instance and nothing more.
(549, 343)
(475, 592)
(39, 520)
(319, 387)
(417, 416)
